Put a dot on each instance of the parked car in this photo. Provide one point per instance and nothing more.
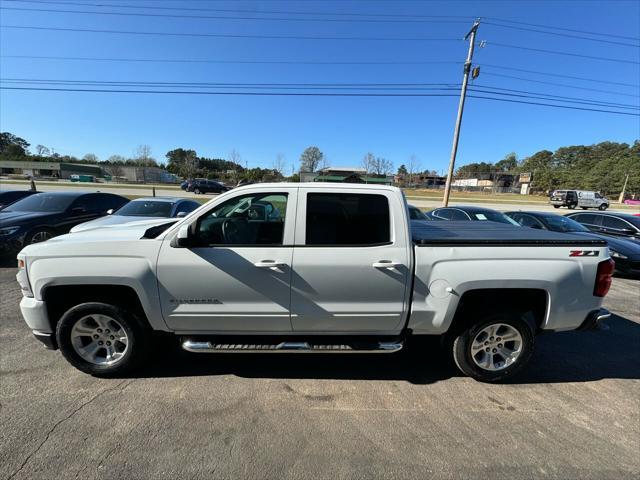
(612, 223)
(466, 213)
(339, 270)
(142, 209)
(416, 214)
(10, 196)
(624, 252)
(42, 216)
(206, 186)
(578, 198)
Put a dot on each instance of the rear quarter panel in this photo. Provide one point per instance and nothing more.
(443, 274)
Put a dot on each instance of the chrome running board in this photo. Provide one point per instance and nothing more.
(198, 346)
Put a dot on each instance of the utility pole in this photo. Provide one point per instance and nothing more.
(624, 187)
(471, 36)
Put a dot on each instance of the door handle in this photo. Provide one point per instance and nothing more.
(386, 264)
(269, 264)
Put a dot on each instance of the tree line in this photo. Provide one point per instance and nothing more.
(602, 167)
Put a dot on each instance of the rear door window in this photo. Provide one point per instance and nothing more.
(529, 221)
(615, 223)
(587, 218)
(347, 219)
(456, 214)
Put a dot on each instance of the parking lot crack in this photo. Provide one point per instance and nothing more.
(61, 421)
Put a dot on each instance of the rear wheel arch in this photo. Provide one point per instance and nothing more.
(530, 303)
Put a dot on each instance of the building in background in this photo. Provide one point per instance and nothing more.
(63, 170)
(345, 175)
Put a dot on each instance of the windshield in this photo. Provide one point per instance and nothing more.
(564, 224)
(42, 202)
(146, 208)
(494, 217)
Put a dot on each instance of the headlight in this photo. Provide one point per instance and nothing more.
(615, 254)
(5, 231)
(22, 277)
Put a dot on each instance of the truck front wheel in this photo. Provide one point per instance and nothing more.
(494, 349)
(101, 339)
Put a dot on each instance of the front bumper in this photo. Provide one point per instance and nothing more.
(594, 318)
(35, 314)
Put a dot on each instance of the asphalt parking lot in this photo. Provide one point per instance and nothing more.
(575, 413)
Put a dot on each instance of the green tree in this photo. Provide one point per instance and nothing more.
(12, 145)
(402, 170)
(508, 163)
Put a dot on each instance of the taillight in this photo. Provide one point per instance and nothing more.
(603, 278)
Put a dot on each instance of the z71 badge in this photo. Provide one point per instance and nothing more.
(584, 253)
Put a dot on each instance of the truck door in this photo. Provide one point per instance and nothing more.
(236, 275)
(351, 262)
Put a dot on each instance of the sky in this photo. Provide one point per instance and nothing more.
(343, 127)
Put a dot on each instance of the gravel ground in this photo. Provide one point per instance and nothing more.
(575, 413)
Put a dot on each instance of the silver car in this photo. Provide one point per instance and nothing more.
(142, 209)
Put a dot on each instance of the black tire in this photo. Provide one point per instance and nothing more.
(462, 348)
(556, 206)
(32, 236)
(572, 206)
(197, 191)
(603, 207)
(137, 343)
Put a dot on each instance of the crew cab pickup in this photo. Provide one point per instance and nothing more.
(319, 268)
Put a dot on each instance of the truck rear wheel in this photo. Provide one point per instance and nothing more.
(494, 349)
(101, 339)
(603, 207)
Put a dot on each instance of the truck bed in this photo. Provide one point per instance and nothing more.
(490, 233)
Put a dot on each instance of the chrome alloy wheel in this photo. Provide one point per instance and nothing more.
(496, 347)
(41, 237)
(99, 339)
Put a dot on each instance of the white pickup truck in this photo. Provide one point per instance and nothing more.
(320, 268)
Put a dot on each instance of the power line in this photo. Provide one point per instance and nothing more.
(320, 86)
(267, 62)
(570, 54)
(313, 62)
(559, 75)
(298, 85)
(588, 32)
(556, 106)
(558, 97)
(575, 87)
(554, 98)
(566, 35)
(217, 17)
(224, 35)
(227, 84)
(332, 14)
(237, 10)
(312, 94)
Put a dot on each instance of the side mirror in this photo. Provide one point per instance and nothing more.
(110, 211)
(181, 240)
(181, 214)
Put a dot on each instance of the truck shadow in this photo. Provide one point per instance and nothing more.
(610, 352)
